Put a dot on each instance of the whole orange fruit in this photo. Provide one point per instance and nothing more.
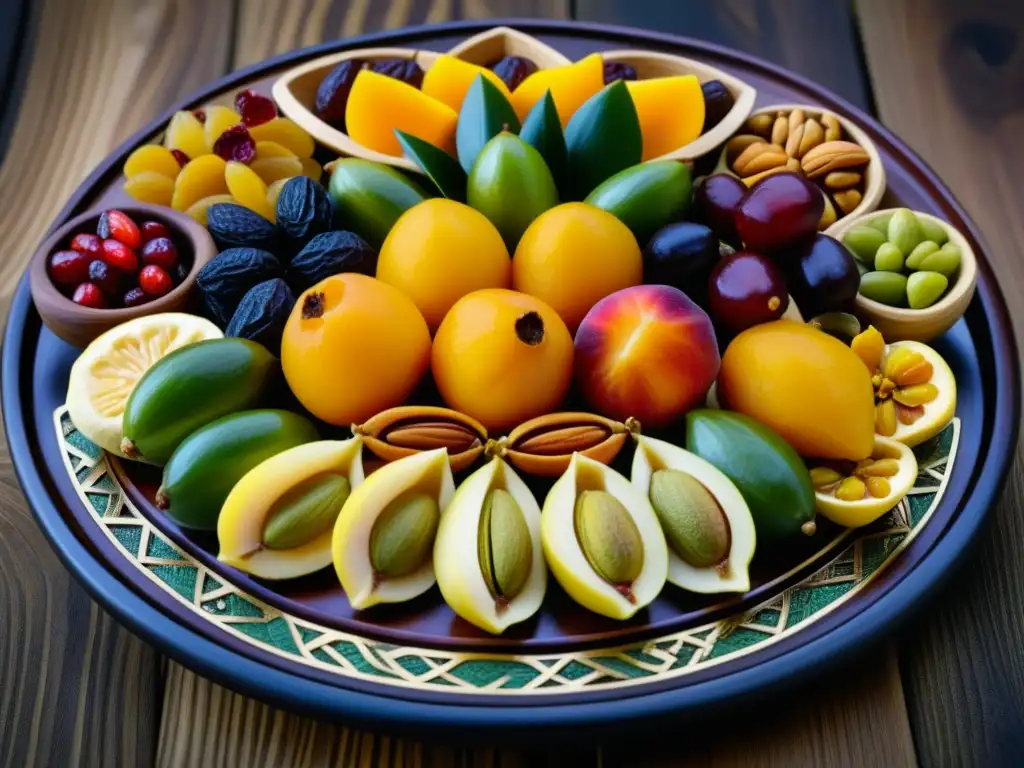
(352, 347)
(502, 357)
(440, 250)
(574, 255)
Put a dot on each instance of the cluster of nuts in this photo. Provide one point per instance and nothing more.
(793, 141)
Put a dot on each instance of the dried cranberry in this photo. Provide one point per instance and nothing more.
(332, 94)
(236, 144)
(119, 226)
(151, 230)
(181, 157)
(105, 277)
(255, 108)
(406, 70)
(88, 295)
(135, 297)
(514, 69)
(161, 252)
(120, 256)
(199, 114)
(69, 268)
(616, 70)
(155, 281)
(87, 243)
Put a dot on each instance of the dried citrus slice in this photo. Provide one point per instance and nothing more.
(915, 390)
(855, 494)
(104, 374)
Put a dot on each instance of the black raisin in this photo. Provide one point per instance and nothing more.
(514, 69)
(234, 226)
(332, 94)
(718, 101)
(262, 314)
(331, 253)
(303, 210)
(616, 70)
(224, 280)
(406, 70)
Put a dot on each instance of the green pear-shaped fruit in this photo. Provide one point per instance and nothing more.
(511, 185)
(646, 197)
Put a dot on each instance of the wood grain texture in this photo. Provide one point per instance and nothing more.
(949, 79)
(75, 688)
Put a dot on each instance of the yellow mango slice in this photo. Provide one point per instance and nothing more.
(671, 112)
(570, 86)
(200, 178)
(449, 78)
(378, 104)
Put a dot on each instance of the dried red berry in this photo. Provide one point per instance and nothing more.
(87, 243)
(120, 256)
(105, 277)
(181, 157)
(119, 226)
(135, 297)
(151, 230)
(155, 281)
(88, 295)
(254, 108)
(199, 114)
(161, 252)
(236, 144)
(69, 268)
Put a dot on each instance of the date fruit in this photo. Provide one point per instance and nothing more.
(303, 210)
(718, 101)
(331, 253)
(617, 70)
(229, 275)
(262, 314)
(235, 226)
(514, 69)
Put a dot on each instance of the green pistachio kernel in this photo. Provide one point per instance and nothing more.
(925, 288)
(932, 230)
(885, 287)
(945, 261)
(921, 252)
(863, 241)
(888, 258)
(904, 230)
(881, 223)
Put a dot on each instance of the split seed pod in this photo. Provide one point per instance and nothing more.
(411, 429)
(545, 445)
(706, 521)
(277, 521)
(602, 540)
(384, 537)
(494, 514)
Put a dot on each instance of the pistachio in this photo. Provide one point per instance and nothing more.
(403, 535)
(885, 287)
(848, 199)
(925, 288)
(759, 157)
(933, 230)
(504, 545)
(921, 252)
(306, 511)
(864, 242)
(881, 223)
(905, 231)
(842, 179)
(738, 143)
(694, 524)
(833, 156)
(608, 537)
(945, 261)
(842, 325)
(888, 258)
(760, 124)
(780, 130)
(833, 131)
(813, 135)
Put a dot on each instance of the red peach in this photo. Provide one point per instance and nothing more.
(648, 352)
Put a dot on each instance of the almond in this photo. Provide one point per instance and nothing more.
(545, 445)
(408, 429)
(833, 156)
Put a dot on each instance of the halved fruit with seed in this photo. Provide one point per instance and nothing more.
(104, 375)
(915, 390)
(855, 494)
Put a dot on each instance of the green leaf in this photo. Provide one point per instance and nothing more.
(440, 167)
(485, 113)
(542, 130)
(602, 138)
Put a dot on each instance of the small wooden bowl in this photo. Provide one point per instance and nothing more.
(897, 323)
(874, 182)
(79, 325)
(295, 90)
(650, 64)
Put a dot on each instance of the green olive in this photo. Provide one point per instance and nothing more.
(885, 287)
(863, 241)
(933, 230)
(921, 252)
(881, 223)
(945, 261)
(925, 288)
(905, 231)
(888, 258)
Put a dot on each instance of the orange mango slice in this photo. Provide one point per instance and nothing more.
(570, 86)
(378, 104)
(449, 78)
(671, 112)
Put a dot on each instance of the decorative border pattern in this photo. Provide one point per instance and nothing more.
(210, 595)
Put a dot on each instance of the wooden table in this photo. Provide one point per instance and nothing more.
(76, 689)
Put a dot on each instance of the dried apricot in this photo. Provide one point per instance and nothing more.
(199, 208)
(150, 187)
(218, 120)
(248, 189)
(283, 131)
(201, 178)
(311, 168)
(273, 168)
(185, 132)
(265, 149)
(274, 191)
(151, 158)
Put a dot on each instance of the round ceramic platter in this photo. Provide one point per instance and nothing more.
(417, 666)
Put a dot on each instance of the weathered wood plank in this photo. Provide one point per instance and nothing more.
(949, 78)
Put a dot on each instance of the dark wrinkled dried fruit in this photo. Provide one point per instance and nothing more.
(331, 253)
(717, 103)
(332, 94)
(303, 210)
(514, 69)
(235, 144)
(234, 226)
(616, 70)
(262, 313)
(226, 278)
(406, 70)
